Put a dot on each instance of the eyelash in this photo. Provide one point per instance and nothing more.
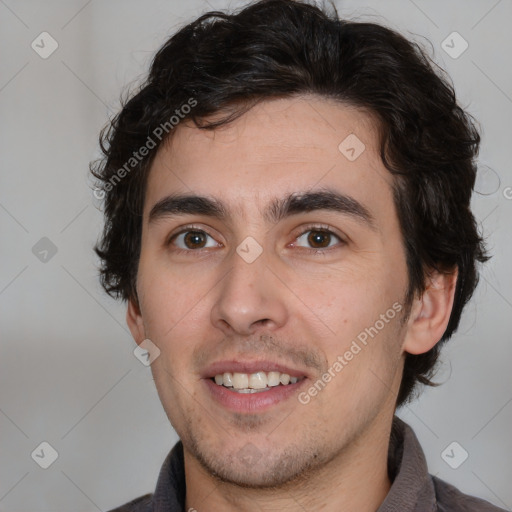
(317, 227)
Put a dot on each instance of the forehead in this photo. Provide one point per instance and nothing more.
(278, 147)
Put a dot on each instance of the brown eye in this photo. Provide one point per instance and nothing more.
(189, 240)
(318, 239)
(194, 239)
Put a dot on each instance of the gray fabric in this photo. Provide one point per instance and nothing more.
(413, 489)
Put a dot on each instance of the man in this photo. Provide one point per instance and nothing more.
(287, 216)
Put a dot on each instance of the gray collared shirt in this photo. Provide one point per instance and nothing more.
(412, 490)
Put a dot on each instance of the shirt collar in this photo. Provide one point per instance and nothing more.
(412, 489)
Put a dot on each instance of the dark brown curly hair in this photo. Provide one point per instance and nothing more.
(226, 63)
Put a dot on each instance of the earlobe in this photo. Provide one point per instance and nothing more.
(430, 313)
(134, 321)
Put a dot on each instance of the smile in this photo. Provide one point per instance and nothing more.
(254, 382)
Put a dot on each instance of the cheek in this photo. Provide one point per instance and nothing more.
(360, 312)
(364, 358)
(175, 316)
(346, 299)
(172, 299)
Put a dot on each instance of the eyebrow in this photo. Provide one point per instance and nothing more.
(278, 209)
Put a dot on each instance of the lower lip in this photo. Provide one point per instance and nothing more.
(252, 402)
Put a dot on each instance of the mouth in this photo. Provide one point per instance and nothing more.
(257, 382)
(252, 386)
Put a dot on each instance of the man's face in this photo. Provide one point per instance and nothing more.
(286, 295)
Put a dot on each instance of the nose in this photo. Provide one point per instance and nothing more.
(250, 297)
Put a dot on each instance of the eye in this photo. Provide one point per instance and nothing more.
(319, 237)
(192, 239)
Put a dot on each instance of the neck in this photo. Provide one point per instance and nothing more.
(354, 479)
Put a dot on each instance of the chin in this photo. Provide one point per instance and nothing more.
(249, 468)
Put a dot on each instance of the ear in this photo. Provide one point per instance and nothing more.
(430, 313)
(134, 321)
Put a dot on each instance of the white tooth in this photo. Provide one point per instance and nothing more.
(240, 380)
(284, 378)
(218, 379)
(258, 380)
(227, 379)
(249, 390)
(273, 379)
(293, 380)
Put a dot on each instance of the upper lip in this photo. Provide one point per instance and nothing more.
(249, 366)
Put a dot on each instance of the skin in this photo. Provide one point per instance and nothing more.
(209, 304)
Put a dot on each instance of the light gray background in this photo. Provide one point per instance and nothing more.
(68, 375)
